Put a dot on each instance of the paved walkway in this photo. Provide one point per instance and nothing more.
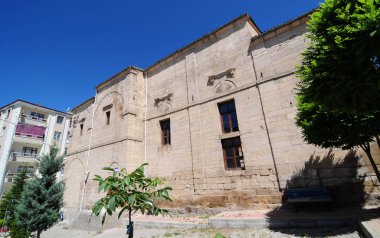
(245, 223)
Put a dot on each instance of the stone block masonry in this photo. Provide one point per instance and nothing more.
(245, 158)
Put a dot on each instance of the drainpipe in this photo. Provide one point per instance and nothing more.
(145, 116)
(87, 173)
(265, 120)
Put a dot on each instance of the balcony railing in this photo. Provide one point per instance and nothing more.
(33, 117)
(31, 131)
(14, 155)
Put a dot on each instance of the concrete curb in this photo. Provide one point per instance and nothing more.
(170, 224)
(216, 222)
(281, 222)
(368, 230)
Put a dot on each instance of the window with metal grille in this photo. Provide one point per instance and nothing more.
(228, 116)
(233, 154)
(165, 132)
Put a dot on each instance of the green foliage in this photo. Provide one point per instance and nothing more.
(335, 129)
(130, 191)
(340, 69)
(42, 197)
(9, 202)
(219, 235)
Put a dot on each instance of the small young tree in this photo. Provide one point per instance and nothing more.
(130, 191)
(9, 202)
(337, 129)
(42, 197)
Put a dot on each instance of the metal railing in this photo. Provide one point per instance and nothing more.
(13, 156)
(33, 117)
(25, 154)
(29, 135)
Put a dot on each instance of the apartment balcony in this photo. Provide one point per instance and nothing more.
(32, 120)
(20, 157)
(32, 134)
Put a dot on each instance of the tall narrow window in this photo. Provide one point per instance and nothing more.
(228, 116)
(108, 117)
(165, 132)
(81, 129)
(233, 154)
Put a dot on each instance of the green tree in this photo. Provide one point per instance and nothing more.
(329, 129)
(42, 197)
(340, 69)
(9, 202)
(130, 191)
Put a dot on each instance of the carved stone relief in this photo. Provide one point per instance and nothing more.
(222, 81)
(163, 104)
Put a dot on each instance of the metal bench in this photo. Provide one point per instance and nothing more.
(308, 195)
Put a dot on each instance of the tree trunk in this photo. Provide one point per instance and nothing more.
(367, 150)
(130, 225)
(39, 234)
(378, 140)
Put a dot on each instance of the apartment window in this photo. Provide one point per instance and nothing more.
(36, 115)
(60, 119)
(233, 154)
(81, 129)
(29, 169)
(165, 132)
(108, 117)
(228, 116)
(57, 135)
(29, 151)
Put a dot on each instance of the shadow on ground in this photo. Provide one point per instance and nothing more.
(347, 188)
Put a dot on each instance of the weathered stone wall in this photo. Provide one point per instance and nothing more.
(186, 88)
(117, 145)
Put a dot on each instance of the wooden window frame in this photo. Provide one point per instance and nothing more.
(229, 114)
(165, 132)
(238, 160)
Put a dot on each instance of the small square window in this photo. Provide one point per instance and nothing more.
(165, 132)
(60, 119)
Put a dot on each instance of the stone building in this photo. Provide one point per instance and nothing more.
(215, 118)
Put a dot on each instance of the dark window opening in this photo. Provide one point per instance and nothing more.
(165, 132)
(108, 117)
(233, 154)
(60, 119)
(81, 129)
(228, 116)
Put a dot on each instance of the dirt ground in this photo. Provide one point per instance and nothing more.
(61, 230)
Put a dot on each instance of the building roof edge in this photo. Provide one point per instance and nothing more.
(34, 104)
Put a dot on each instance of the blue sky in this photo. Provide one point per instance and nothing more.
(53, 53)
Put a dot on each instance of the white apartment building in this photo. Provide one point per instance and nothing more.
(27, 130)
